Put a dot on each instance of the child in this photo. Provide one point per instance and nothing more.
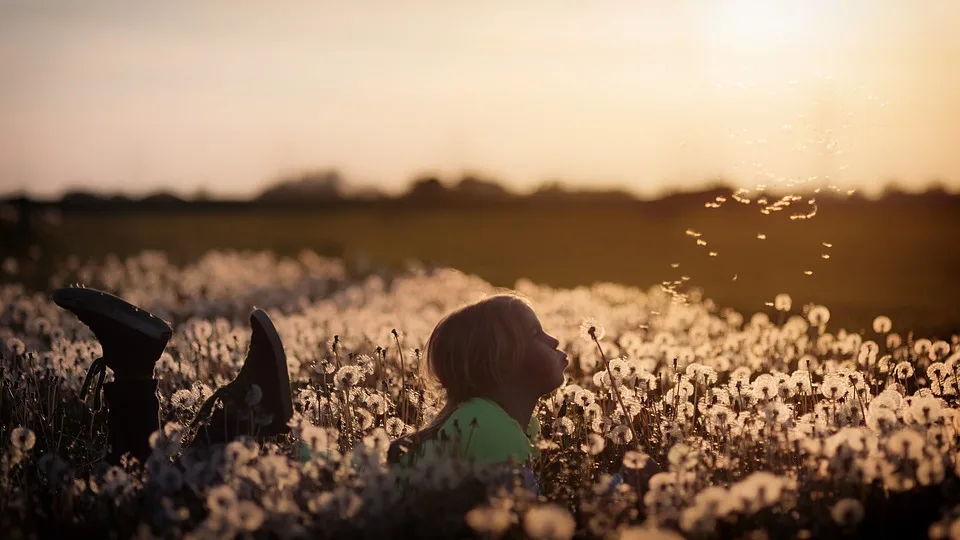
(133, 340)
(495, 361)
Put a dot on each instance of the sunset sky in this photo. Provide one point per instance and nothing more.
(227, 96)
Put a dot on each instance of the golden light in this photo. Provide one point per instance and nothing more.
(759, 24)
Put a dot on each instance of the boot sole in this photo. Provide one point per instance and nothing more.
(80, 300)
(273, 336)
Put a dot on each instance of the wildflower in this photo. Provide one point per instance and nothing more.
(940, 349)
(905, 443)
(169, 479)
(931, 470)
(644, 532)
(16, 346)
(591, 329)
(765, 387)
(375, 403)
(782, 302)
(800, 381)
(594, 444)
(183, 399)
(882, 324)
(621, 434)
(682, 456)
(22, 439)
(760, 489)
(923, 410)
(584, 398)
(549, 522)
(635, 460)
(246, 516)
(818, 315)
(395, 427)
(488, 520)
(881, 419)
(903, 370)
(222, 499)
(937, 371)
(348, 376)
(834, 387)
(847, 512)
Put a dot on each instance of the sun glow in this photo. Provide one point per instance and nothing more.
(759, 24)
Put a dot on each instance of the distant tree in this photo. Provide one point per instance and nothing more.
(162, 198)
(477, 188)
(551, 190)
(427, 188)
(78, 197)
(308, 186)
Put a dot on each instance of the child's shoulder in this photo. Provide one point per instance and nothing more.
(489, 432)
(479, 413)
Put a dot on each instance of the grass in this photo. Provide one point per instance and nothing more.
(894, 259)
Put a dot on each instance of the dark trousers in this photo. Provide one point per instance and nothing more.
(133, 413)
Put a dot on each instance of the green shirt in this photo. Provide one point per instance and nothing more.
(486, 435)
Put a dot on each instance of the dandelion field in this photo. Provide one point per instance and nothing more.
(782, 426)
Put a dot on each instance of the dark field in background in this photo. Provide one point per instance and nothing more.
(899, 256)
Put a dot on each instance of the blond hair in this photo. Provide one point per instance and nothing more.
(468, 349)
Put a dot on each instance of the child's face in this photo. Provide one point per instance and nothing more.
(544, 364)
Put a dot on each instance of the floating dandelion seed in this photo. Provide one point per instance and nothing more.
(701, 242)
(693, 233)
(761, 236)
(827, 244)
(808, 272)
(675, 265)
(713, 253)
(825, 256)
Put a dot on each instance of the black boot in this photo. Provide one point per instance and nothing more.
(248, 411)
(132, 341)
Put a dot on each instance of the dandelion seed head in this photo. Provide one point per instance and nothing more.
(22, 439)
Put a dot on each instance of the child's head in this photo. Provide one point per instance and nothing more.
(492, 346)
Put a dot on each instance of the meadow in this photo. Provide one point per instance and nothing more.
(778, 404)
(766, 427)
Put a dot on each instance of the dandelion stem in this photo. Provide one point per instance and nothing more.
(613, 386)
(403, 378)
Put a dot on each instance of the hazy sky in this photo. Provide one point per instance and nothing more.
(137, 96)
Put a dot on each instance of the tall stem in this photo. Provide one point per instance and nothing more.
(403, 378)
(613, 385)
